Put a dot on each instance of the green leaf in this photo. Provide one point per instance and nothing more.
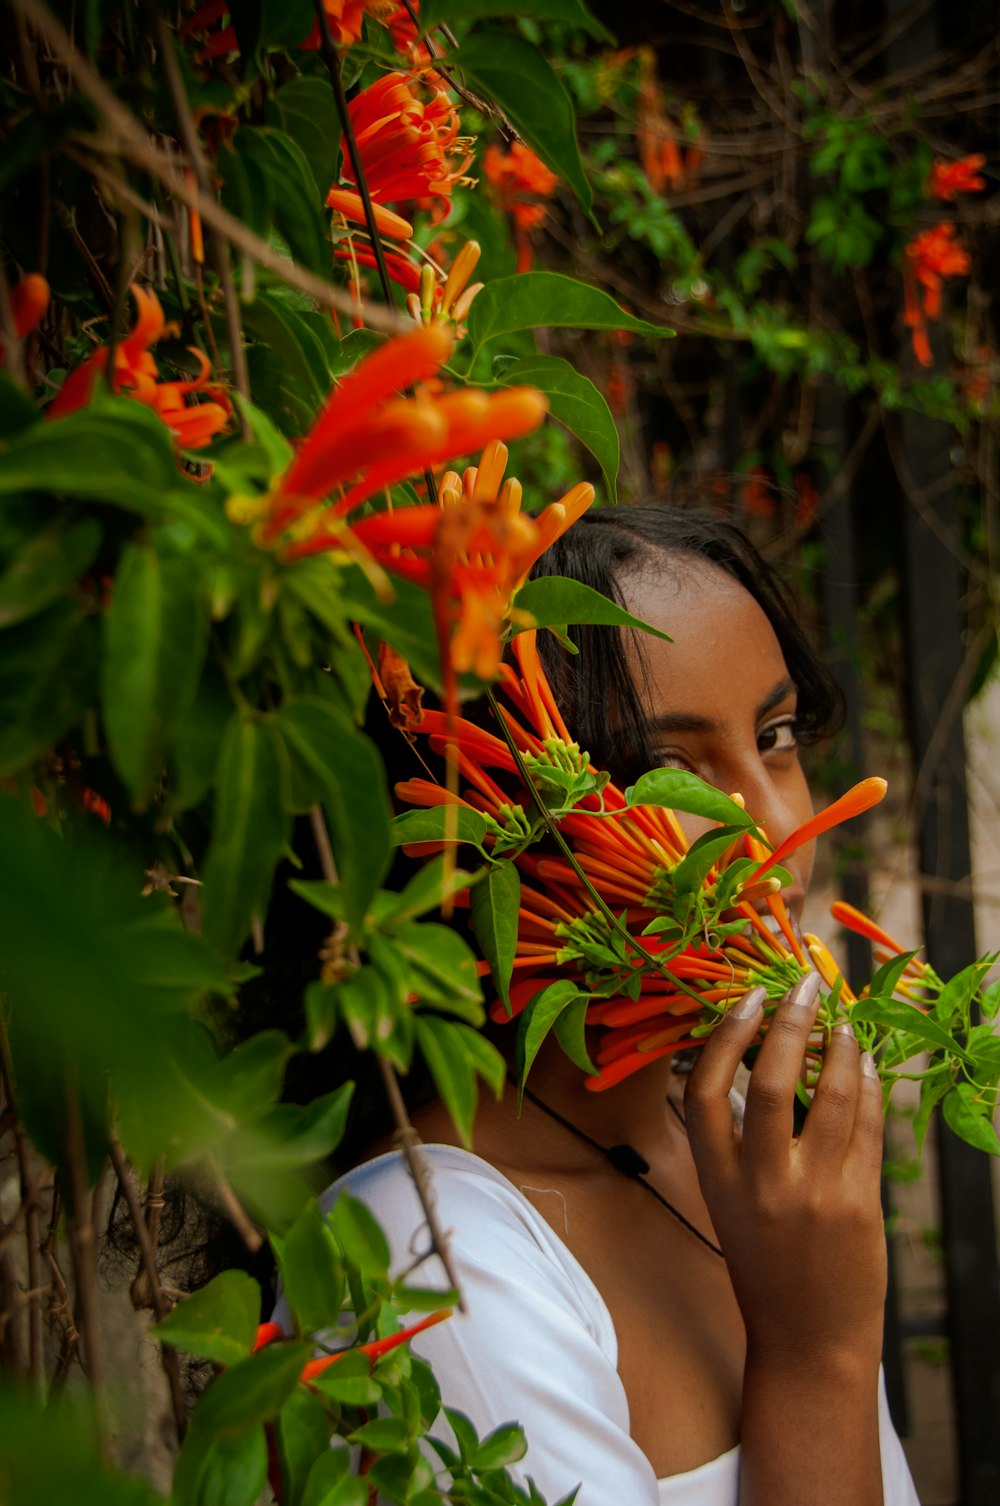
(46, 567)
(331, 1483)
(452, 1070)
(285, 25)
(439, 823)
(555, 601)
(302, 1435)
(155, 639)
(354, 347)
(252, 1391)
(494, 905)
(691, 871)
(305, 110)
(570, 1030)
(893, 1016)
(536, 1022)
(228, 1469)
(571, 12)
(547, 300)
(291, 1135)
(574, 402)
(311, 1273)
(428, 889)
(955, 999)
(489, 1065)
(933, 1086)
(505, 1445)
(115, 451)
(218, 1322)
(250, 1077)
(679, 790)
(48, 678)
(359, 1235)
(445, 972)
(340, 768)
(288, 334)
(350, 1381)
(248, 833)
(970, 1119)
(297, 210)
(514, 74)
(195, 752)
(885, 978)
(383, 1433)
(405, 621)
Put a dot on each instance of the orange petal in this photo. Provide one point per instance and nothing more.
(857, 800)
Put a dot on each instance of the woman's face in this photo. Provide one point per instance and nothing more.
(722, 702)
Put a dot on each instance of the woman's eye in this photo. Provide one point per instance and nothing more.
(780, 737)
(665, 759)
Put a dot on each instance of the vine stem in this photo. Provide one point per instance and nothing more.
(29, 1203)
(160, 1304)
(84, 1261)
(127, 138)
(328, 52)
(189, 136)
(406, 1135)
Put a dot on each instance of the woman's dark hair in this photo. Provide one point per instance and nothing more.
(602, 691)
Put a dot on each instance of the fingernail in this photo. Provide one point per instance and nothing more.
(803, 994)
(868, 1067)
(843, 1029)
(748, 1006)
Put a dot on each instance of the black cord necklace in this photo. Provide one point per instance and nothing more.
(627, 1160)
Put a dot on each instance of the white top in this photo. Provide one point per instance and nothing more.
(537, 1344)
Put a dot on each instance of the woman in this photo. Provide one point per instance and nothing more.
(708, 1331)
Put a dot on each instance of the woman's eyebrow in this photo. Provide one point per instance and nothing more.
(686, 721)
(781, 692)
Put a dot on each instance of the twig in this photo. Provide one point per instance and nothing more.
(160, 1304)
(234, 1209)
(83, 1257)
(129, 140)
(406, 1135)
(331, 59)
(13, 354)
(189, 136)
(29, 1206)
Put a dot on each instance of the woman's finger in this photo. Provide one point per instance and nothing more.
(869, 1122)
(768, 1125)
(707, 1110)
(829, 1123)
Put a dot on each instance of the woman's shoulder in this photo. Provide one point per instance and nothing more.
(494, 1232)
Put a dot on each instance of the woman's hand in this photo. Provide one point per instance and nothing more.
(800, 1222)
(799, 1219)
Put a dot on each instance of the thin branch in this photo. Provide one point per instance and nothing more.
(406, 1135)
(160, 1303)
(234, 1209)
(220, 250)
(127, 138)
(331, 59)
(29, 1208)
(83, 1256)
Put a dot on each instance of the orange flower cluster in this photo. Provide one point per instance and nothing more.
(408, 146)
(947, 179)
(29, 299)
(345, 17)
(937, 253)
(664, 161)
(928, 259)
(136, 375)
(651, 995)
(522, 182)
(469, 553)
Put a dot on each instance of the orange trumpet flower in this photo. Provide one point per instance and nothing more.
(136, 375)
(406, 145)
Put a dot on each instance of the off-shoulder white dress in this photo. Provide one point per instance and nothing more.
(537, 1345)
